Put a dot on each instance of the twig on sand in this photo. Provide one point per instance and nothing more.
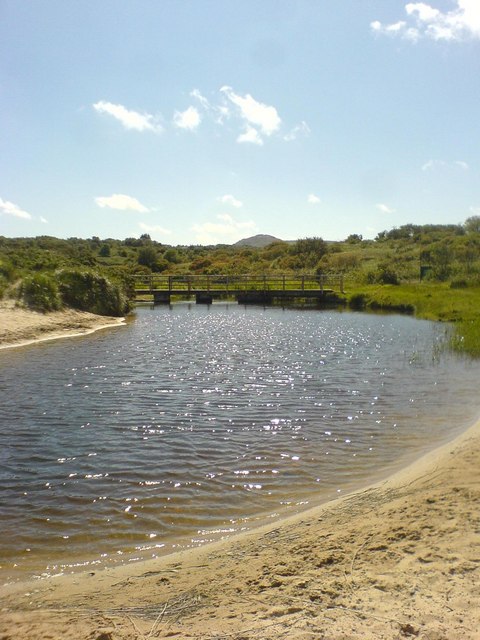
(366, 614)
(158, 620)
(137, 630)
(357, 551)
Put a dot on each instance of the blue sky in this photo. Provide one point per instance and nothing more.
(207, 121)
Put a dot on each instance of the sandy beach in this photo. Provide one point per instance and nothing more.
(399, 559)
(20, 326)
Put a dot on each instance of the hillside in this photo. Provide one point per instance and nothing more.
(259, 241)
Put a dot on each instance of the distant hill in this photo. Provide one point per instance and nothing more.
(259, 241)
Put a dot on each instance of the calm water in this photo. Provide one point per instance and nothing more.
(194, 421)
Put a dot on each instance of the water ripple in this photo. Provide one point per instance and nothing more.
(194, 421)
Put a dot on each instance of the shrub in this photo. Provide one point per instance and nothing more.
(7, 269)
(40, 292)
(358, 301)
(90, 291)
(387, 276)
(459, 283)
(3, 285)
(383, 275)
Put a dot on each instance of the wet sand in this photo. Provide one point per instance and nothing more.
(400, 559)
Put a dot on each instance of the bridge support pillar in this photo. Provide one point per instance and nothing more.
(161, 297)
(254, 297)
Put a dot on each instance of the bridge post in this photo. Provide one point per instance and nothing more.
(161, 297)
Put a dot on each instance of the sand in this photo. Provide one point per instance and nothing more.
(399, 559)
(20, 326)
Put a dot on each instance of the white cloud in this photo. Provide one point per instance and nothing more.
(155, 229)
(188, 119)
(10, 209)
(43, 220)
(264, 117)
(250, 135)
(203, 101)
(426, 21)
(435, 164)
(129, 119)
(227, 231)
(301, 129)
(121, 202)
(384, 208)
(229, 199)
(313, 199)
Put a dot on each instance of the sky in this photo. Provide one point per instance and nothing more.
(208, 121)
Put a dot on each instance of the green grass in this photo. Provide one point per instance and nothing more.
(429, 301)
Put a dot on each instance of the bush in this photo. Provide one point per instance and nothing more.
(90, 291)
(3, 285)
(459, 283)
(383, 275)
(358, 301)
(40, 292)
(7, 270)
(387, 276)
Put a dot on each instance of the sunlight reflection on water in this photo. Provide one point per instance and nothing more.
(192, 421)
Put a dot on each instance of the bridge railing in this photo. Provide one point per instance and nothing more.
(192, 283)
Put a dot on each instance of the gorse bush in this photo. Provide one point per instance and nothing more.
(40, 292)
(7, 270)
(90, 291)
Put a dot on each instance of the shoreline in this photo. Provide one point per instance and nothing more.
(20, 327)
(399, 558)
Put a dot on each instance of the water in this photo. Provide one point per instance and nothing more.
(194, 422)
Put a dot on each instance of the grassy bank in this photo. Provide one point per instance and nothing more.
(429, 301)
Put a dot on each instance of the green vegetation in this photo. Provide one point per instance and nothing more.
(432, 271)
(40, 292)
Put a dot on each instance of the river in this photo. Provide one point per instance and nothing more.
(194, 422)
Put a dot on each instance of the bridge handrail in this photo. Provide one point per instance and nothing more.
(236, 282)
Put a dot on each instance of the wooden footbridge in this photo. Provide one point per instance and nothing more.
(246, 289)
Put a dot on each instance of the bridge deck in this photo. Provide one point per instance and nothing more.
(243, 287)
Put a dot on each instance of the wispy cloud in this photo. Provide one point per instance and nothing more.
(132, 120)
(195, 93)
(435, 164)
(43, 220)
(313, 199)
(425, 21)
(384, 208)
(188, 119)
(10, 209)
(155, 229)
(121, 202)
(301, 129)
(226, 231)
(229, 199)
